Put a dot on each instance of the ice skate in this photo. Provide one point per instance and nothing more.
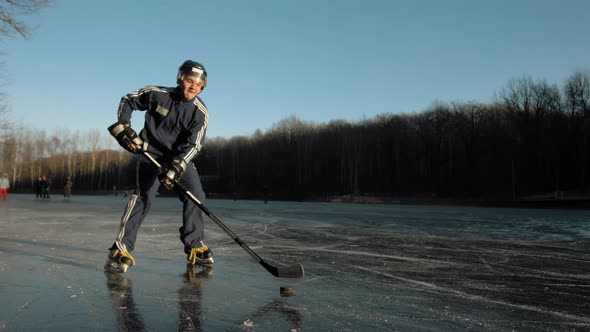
(199, 256)
(119, 261)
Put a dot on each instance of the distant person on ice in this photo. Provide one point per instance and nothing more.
(45, 185)
(67, 188)
(4, 186)
(174, 129)
(38, 187)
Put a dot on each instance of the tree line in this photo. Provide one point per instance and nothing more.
(534, 138)
(88, 159)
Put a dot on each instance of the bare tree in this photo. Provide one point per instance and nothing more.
(11, 10)
(517, 95)
(28, 154)
(4, 132)
(4, 113)
(93, 147)
(40, 150)
(546, 98)
(105, 162)
(287, 129)
(11, 25)
(577, 95)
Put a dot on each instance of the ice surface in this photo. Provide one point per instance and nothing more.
(368, 267)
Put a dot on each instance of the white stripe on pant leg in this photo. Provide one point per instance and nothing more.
(124, 220)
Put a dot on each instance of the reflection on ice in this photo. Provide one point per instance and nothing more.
(190, 298)
(128, 317)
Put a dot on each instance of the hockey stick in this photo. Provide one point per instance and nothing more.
(292, 271)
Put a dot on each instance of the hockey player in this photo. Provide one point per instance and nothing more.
(174, 129)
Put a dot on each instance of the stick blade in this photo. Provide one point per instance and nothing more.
(291, 271)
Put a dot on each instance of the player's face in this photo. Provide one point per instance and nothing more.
(191, 86)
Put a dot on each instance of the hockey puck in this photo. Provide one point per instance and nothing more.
(287, 291)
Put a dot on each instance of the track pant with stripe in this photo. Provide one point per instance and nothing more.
(193, 226)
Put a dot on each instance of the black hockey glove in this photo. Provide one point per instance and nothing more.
(173, 173)
(126, 137)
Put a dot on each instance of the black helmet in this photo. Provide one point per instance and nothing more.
(193, 68)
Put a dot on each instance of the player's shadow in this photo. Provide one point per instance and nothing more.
(189, 298)
(128, 317)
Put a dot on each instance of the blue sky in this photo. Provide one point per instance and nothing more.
(319, 60)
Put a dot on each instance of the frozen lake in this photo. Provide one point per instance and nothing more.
(368, 267)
